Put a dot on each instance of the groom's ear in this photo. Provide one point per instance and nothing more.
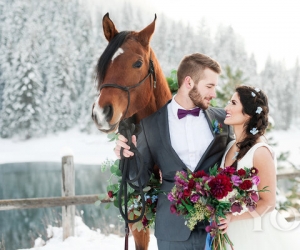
(188, 82)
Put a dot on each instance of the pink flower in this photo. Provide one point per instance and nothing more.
(236, 180)
(195, 198)
(255, 180)
(171, 197)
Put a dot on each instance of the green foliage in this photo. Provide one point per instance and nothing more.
(172, 81)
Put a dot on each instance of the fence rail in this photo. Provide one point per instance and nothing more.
(69, 199)
(48, 202)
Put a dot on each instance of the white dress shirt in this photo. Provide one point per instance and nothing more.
(190, 136)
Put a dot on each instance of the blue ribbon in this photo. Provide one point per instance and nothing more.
(208, 242)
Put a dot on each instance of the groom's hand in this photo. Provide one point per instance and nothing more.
(122, 143)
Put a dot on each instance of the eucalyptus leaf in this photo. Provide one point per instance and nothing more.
(97, 203)
(139, 225)
(146, 189)
(133, 226)
(131, 216)
(136, 212)
(149, 216)
(107, 206)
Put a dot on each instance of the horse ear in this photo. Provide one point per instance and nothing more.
(146, 34)
(109, 28)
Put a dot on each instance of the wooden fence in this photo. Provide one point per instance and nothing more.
(69, 200)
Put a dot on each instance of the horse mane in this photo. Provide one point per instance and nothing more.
(108, 53)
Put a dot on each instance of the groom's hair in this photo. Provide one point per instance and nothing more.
(193, 65)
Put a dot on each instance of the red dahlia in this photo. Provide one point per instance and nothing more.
(220, 186)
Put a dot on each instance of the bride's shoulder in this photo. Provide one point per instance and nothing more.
(262, 149)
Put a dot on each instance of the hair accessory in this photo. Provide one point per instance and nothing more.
(253, 94)
(254, 131)
(258, 110)
(257, 89)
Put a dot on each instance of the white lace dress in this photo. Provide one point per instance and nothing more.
(269, 232)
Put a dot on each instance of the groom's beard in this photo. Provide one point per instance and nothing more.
(197, 98)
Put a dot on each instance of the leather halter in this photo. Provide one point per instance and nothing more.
(127, 89)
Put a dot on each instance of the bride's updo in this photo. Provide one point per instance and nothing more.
(255, 104)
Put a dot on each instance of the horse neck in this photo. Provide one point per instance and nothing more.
(160, 95)
(162, 91)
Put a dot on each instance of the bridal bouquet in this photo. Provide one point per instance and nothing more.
(206, 197)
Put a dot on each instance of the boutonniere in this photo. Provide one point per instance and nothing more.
(217, 127)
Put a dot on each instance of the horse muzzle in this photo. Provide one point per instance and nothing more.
(103, 117)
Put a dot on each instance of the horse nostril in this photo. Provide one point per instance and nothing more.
(108, 112)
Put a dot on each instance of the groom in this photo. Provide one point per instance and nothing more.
(184, 134)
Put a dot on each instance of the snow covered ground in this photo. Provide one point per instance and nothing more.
(85, 239)
(94, 149)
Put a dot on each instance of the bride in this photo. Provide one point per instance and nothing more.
(265, 228)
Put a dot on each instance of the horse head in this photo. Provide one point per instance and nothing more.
(126, 74)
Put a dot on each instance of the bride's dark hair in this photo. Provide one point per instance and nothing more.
(255, 104)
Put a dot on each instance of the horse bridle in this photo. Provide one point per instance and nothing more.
(151, 71)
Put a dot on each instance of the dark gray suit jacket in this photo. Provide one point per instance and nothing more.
(155, 146)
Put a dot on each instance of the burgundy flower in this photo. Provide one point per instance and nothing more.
(199, 174)
(191, 184)
(253, 171)
(254, 196)
(145, 221)
(212, 229)
(251, 206)
(236, 207)
(246, 184)
(220, 186)
(173, 209)
(187, 192)
(229, 170)
(110, 194)
(241, 172)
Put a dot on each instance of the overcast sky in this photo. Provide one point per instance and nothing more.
(269, 27)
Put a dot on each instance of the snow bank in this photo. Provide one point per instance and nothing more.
(84, 239)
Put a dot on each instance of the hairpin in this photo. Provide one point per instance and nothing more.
(254, 131)
(257, 89)
(258, 110)
(253, 94)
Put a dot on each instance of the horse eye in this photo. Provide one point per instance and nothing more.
(137, 64)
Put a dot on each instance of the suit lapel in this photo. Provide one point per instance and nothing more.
(163, 126)
(209, 117)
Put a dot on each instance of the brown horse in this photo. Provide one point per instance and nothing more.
(131, 84)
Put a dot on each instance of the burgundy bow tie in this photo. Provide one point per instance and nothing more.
(182, 112)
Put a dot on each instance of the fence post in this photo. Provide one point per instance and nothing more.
(68, 189)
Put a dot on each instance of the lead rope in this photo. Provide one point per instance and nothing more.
(127, 130)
